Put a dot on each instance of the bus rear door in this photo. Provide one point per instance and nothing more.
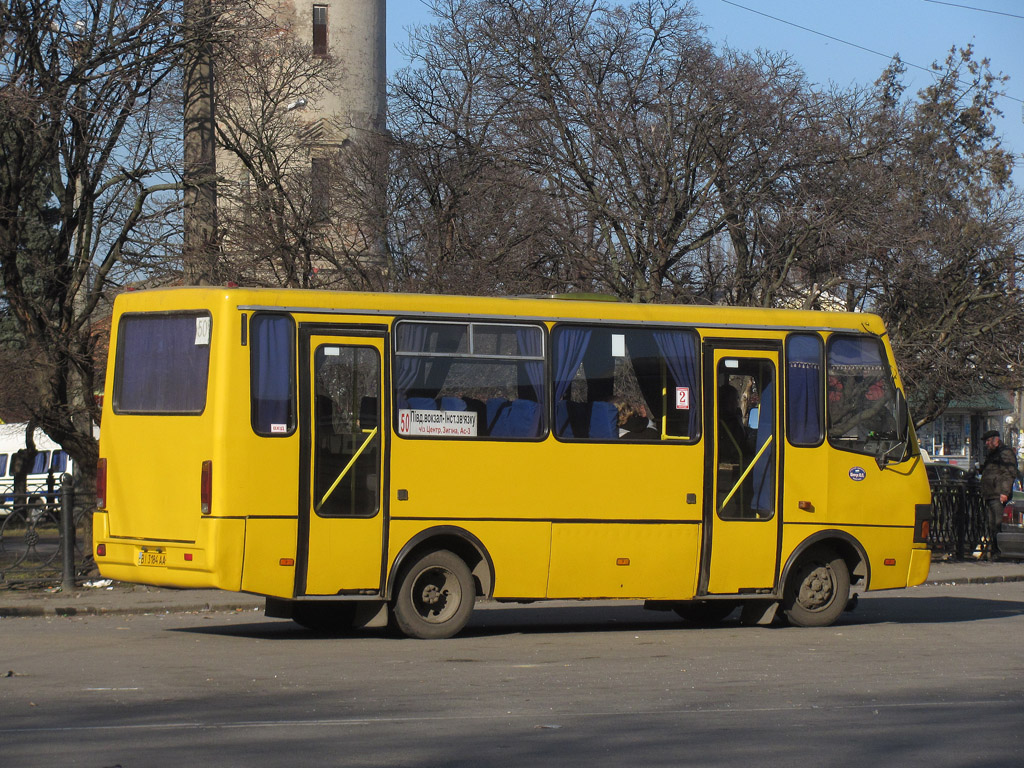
(341, 512)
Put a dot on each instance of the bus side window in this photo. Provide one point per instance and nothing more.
(625, 384)
(40, 463)
(58, 462)
(805, 415)
(272, 374)
(485, 378)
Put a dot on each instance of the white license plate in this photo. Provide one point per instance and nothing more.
(152, 558)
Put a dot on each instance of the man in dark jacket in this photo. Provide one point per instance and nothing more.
(997, 476)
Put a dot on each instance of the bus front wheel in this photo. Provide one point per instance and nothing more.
(435, 595)
(817, 589)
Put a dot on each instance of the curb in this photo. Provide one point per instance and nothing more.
(59, 611)
(953, 581)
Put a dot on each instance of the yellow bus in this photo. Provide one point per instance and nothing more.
(360, 459)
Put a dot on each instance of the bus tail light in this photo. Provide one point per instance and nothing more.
(101, 483)
(206, 487)
(922, 523)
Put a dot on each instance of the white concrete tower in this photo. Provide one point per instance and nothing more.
(353, 33)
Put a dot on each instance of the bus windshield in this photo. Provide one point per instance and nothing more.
(863, 407)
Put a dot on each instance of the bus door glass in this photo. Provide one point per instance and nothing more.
(741, 536)
(345, 522)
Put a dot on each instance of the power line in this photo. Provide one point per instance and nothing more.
(846, 42)
(972, 8)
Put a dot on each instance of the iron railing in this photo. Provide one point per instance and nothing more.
(959, 524)
(34, 527)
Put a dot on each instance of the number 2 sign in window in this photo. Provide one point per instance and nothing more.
(682, 398)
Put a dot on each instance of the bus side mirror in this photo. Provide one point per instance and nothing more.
(902, 417)
(902, 432)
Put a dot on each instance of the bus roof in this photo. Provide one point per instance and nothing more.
(12, 438)
(507, 308)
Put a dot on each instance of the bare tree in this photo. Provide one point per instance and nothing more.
(649, 149)
(276, 153)
(946, 279)
(90, 114)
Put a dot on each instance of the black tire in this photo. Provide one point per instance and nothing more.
(705, 612)
(434, 597)
(330, 617)
(817, 590)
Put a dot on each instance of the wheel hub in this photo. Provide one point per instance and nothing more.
(432, 595)
(437, 595)
(817, 589)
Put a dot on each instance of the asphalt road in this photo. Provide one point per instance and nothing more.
(924, 677)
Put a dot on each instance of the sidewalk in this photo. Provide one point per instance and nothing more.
(119, 598)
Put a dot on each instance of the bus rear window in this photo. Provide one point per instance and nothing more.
(163, 363)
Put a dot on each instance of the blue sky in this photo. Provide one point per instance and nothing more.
(848, 41)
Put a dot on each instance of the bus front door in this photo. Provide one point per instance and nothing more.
(343, 522)
(741, 530)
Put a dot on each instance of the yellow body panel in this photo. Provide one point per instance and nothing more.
(545, 480)
(920, 562)
(748, 561)
(555, 519)
(270, 553)
(344, 555)
(623, 561)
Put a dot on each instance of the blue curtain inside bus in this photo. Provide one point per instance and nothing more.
(680, 352)
(804, 413)
(531, 372)
(272, 366)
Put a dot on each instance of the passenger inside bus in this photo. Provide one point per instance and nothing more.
(732, 435)
(633, 421)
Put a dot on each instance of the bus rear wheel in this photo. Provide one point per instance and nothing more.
(435, 596)
(817, 589)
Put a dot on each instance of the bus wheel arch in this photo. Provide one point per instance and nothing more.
(453, 539)
(817, 578)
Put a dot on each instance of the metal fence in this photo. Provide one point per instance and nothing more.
(959, 524)
(34, 527)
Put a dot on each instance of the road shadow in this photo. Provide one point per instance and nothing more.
(874, 609)
(553, 620)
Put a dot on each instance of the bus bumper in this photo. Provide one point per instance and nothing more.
(920, 562)
(189, 565)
